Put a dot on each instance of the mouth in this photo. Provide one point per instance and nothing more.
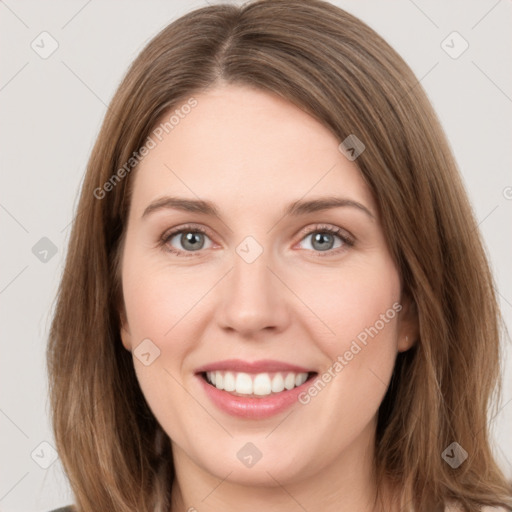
(255, 390)
(256, 385)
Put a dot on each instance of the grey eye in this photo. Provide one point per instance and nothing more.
(189, 240)
(322, 241)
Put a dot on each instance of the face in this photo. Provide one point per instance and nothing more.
(262, 306)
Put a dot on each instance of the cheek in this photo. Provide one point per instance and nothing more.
(358, 301)
(360, 305)
(162, 305)
(369, 327)
(157, 302)
(157, 298)
(367, 310)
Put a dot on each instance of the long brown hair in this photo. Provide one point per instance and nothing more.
(337, 69)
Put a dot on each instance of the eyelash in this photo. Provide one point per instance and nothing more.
(319, 228)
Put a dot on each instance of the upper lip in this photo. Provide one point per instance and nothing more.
(261, 366)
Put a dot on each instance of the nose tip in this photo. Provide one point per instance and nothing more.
(252, 298)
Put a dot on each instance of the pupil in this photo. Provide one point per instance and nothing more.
(321, 239)
(192, 241)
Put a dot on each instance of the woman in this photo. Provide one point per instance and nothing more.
(275, 295)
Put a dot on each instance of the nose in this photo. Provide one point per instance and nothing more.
(253, 300)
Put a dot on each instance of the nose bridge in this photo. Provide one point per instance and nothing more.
(252, 299)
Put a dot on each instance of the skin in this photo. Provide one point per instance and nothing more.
(252, 153)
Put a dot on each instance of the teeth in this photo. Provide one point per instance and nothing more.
(229, 382)
(260, 384)
(243, 384)
(289, 381)
(301, 378)
(219, 380)
(278, 383)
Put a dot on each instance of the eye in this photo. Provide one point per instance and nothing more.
(186, 240)
(327, 239)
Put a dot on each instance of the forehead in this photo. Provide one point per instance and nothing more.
(244, 146)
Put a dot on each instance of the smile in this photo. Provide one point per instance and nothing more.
(253, 390)
(260, 384)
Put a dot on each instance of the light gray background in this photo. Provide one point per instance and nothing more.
(51, 111)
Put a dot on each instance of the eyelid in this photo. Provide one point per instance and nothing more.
(330, 228)
(185, 227)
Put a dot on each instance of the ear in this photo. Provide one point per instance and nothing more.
(408, 325)
(125, 333)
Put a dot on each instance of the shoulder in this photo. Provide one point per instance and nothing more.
(63, 509)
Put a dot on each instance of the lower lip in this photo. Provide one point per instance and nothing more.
(253, 408)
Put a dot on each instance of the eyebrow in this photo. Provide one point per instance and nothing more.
(294, 209)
